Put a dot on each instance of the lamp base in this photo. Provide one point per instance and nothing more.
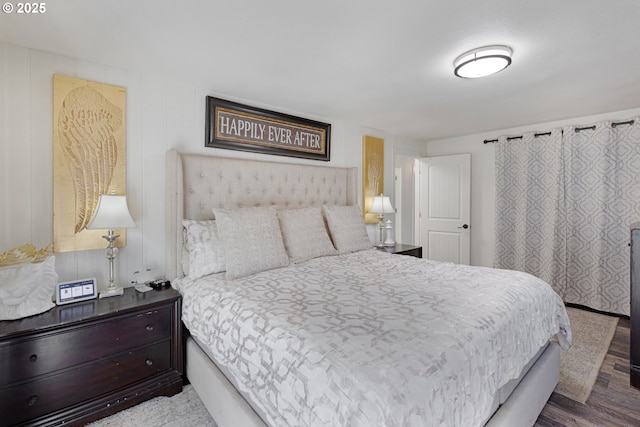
(380, 243)
(111, 291)
(389, 243)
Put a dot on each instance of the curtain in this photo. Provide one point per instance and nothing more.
(564, 203)
(602, 200)
(530, 233)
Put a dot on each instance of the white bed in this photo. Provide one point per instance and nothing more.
(197, 184)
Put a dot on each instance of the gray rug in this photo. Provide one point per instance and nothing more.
(580, 365)
(182, 410)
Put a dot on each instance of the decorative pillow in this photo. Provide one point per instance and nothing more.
(348, 232)
(27, 289)
(251, 240)
(305, 235)
(204, 248)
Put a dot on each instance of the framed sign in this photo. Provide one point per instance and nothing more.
(236, 126)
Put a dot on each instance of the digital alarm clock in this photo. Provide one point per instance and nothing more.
(76, 290)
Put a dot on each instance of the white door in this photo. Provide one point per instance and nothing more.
(444, 207)
(397, 193)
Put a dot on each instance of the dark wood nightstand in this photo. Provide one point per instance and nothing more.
(400, 249)
(80, 362)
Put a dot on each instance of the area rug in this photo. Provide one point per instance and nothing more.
(580, 365)
(185, 409)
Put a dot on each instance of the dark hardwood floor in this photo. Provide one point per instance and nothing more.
(613, 402)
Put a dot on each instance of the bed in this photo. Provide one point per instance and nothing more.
(343, 335)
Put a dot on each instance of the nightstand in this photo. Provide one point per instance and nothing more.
(400, 249)
(80, 362)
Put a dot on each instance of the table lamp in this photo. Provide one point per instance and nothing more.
(381, 205)
(111, 213)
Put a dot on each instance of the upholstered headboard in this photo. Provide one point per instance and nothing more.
(197, 183)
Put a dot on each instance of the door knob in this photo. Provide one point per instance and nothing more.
(465, 226)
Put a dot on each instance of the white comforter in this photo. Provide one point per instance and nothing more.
(373, 339)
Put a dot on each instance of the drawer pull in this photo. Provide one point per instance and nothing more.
(149, 362)
(149, 328)
(33, 358)
(33, 400)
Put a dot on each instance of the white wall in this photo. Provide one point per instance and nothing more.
(161, 114)
(483, 175)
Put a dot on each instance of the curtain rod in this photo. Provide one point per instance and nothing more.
(486, 141)
(536, 135)
(613, 125)
(585, 128)
(577, 129)
(628, 122)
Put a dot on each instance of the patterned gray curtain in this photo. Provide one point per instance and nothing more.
(602, 198)
(530, 233)
(564, 206)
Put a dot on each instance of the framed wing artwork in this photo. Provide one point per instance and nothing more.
(89, 158)
(372, 174)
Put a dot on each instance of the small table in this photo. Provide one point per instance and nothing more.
(400, 249)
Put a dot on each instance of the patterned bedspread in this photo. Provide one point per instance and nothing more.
(373, 339)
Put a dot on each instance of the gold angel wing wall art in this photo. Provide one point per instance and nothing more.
(372, 174)
(86, 126)
(89, 157)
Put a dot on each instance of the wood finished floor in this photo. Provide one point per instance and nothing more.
(613, 402)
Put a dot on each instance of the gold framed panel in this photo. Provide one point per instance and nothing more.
(89, 158)
(372, 174)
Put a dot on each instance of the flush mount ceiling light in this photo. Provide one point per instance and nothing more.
(482, 61)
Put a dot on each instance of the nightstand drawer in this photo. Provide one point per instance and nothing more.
(47, 394)
(50, 352)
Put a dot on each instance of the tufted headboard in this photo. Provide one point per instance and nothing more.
(197, 183)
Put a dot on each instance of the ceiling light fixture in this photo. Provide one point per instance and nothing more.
(482, 61)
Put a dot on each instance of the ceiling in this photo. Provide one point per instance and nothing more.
(380, 64)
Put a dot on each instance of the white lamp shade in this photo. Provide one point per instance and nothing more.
(381, 205)
(111, 213)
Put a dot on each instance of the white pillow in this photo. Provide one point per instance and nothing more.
(204, 248)
(251, 240)
(347, 229)
(305, 235)
(27, 289)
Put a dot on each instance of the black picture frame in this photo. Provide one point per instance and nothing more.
(233, 126)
